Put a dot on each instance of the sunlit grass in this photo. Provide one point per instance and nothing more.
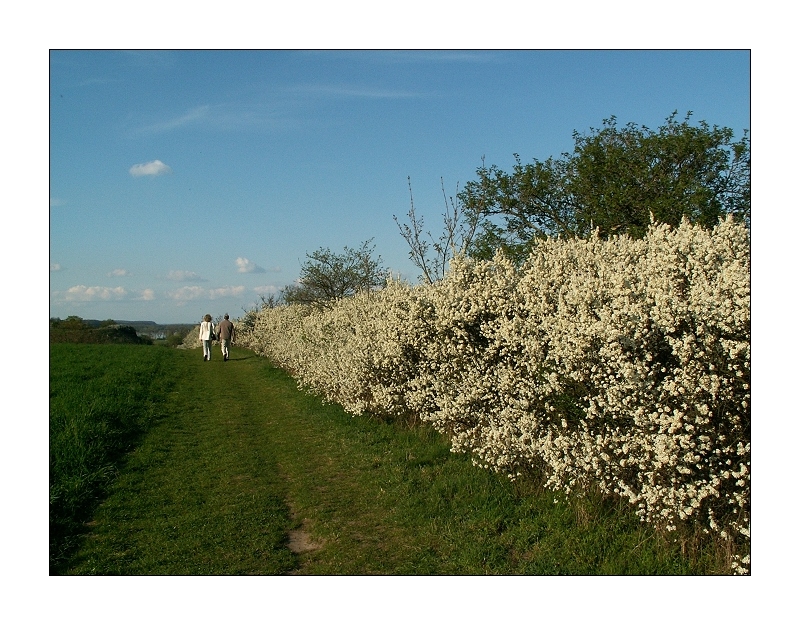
(241, 460)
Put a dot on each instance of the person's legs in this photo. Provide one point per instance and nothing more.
(223, 345)
(206, 350)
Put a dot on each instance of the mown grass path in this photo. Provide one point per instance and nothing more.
(244, 474)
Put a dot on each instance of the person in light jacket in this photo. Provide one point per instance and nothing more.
(227, 334)
(206, 336)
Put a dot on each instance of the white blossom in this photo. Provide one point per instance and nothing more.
(621, 363)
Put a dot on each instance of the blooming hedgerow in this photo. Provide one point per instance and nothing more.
(620, 363)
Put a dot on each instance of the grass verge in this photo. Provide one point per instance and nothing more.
(102, 400)
(244, 474)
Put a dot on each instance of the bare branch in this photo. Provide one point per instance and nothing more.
(457, 234)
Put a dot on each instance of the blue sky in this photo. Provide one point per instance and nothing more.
(191, 182)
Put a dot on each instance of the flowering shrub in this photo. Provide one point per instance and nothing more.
(190, 341)
(622, 364)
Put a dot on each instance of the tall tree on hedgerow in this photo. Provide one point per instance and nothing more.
(327, 276)
(614, 179)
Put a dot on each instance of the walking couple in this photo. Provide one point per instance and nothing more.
(225, 333)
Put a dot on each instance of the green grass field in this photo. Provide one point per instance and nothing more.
(164, 464)
(103, 398)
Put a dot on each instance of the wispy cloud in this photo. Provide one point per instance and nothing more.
(248, 266)
(351, 91)
(56, 202)
(265, 290)
(119, 273)
(98, 81)
(192, 116)
(266, 115)
(440, 56)
(55, 267)
(150, 59)
(187, 293)
(153, 168)
(414, 56)
(184, 276)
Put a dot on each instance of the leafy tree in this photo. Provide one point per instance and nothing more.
(614, 179)
(327, 276)
(175, 339)
(71, 323)
(247, 321)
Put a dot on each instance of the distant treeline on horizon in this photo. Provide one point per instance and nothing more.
(74, 329)
(96, 323)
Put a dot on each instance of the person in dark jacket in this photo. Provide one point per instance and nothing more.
(226, 334)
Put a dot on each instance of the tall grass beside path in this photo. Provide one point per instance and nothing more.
(252, 476)
(102, 400)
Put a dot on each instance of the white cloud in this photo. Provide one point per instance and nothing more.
(153, 168)
(265, 290)
(187, 293)
(55, 201)
(248, 266)
(81, 293)
(226, 291)
(179, 275)
(55, 267)
(118, 273)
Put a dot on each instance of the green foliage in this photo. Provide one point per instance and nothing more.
(175, 339)
(613, 181)
(327, 276)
